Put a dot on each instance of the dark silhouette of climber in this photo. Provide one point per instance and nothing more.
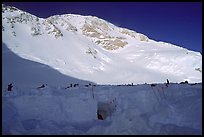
(167, 81)
(10, 87)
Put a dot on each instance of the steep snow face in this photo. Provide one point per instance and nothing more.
(93, 49)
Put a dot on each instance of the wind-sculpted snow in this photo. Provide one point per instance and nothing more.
(138, 109)
(90, 48)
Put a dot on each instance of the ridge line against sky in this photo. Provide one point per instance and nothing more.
(179, 23)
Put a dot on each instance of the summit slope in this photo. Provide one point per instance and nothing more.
(90, 48)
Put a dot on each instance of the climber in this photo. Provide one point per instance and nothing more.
(10, 87)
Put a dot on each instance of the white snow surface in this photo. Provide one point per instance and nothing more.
(61, 43)
(57, 110)
(139, 109)
(29, 61)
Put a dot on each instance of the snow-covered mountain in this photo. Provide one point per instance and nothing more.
(89, 48)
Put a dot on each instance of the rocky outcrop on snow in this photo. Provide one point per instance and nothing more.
(97, 30)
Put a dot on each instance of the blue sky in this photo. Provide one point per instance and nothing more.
(179, 23)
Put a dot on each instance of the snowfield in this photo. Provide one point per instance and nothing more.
(140, 109)
(56, 109)
(99, 79)
(92, 49)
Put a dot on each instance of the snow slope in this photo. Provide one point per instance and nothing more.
(74, 49)
(57, 110)
(89, 48)
(140, 109)
(26, 74)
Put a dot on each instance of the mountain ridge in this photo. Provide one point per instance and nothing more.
(94, 49)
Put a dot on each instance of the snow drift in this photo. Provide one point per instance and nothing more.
(140, 109)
